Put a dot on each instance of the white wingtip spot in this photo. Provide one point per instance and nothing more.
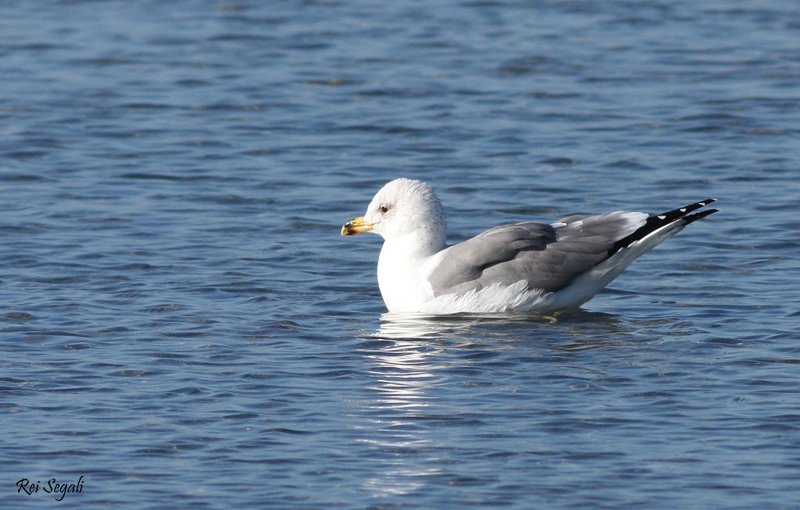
(662, 217)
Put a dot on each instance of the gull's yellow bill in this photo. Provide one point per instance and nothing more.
(356, 226)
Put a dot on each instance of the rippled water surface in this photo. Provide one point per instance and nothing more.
(182, 325)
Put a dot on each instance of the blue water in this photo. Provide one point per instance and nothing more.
(182, 325)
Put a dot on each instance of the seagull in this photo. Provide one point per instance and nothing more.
(529, 266)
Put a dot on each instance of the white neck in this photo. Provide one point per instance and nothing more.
(401, 270)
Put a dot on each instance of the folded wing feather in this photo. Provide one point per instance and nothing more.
(547, 257)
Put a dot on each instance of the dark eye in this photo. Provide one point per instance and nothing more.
(384, 209)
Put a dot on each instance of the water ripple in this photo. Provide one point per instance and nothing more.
(182, 322)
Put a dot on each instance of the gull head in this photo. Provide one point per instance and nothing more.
(403, 207)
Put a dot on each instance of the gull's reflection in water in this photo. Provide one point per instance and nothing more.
(411, 362)
(415, 361)
(458, 327)
(405, 362)
(411, 326)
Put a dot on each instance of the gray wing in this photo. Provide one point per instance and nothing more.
(548, 257)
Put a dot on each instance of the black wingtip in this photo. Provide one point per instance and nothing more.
(681, 215)
(683, 211)
(698, 216)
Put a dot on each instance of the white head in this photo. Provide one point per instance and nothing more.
(404, 207)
